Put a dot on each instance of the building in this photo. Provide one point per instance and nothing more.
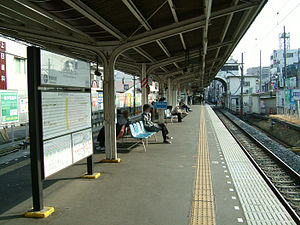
(227, 86)
(13, 65)
(265, 76)
(234, 92)
(13, 78)
(285, 85)
(277, 64)
(218, 88)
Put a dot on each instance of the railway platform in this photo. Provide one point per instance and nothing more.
(202, 178)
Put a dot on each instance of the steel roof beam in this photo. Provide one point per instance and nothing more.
(39, 18)
(207, 13)
(180, 27)
(178, 58)
(97, 19)
(138, 15)
(172, 7)
(55, 19)
(86, 11)
(224, 32)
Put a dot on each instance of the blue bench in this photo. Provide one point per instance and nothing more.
(169, 115)
(138, 131)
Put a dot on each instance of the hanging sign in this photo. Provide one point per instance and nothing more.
(59, 70)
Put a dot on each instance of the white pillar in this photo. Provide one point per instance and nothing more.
(161, 88)
(170, 91)
(174, 95)
(109, 110)
(186, 96)
(144, 89)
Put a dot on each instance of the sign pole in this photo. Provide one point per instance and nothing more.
(36, 134)
(89, 161)
(35, 126)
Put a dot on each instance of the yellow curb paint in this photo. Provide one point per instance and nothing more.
(111, 160)
(44, 213)
(92, 176)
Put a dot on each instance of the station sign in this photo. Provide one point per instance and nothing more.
(100, 100)
(126, 87)
(59, 70)
(160, 105)
(9, 106)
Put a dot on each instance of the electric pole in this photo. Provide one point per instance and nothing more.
(242, 84)
(285, 69)
(260, 73)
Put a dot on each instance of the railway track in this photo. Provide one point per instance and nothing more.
(282, 179)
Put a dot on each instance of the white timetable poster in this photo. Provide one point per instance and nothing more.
(57, 154)
(82, 144)
(65, 112)
(59, 70)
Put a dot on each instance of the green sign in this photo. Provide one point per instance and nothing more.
(9, 106)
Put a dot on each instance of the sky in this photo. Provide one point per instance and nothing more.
(264, 32)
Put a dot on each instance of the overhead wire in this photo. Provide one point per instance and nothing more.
(278, 23)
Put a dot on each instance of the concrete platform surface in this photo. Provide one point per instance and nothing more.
(155, 187)
(204, 173)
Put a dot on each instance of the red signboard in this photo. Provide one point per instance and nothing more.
(3, 82)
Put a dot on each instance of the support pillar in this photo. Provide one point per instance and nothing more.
(109, 112)
(185, 96)
(161, 88)
(174, 95)
(144, 89)
(170, 90)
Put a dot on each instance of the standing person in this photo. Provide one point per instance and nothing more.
(154, 127)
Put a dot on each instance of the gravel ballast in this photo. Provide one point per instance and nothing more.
(287, 156)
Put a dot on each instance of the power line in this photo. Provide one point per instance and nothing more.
(287, 15)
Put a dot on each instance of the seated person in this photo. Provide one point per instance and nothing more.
(154, 127)
(184, 106)
(179, 112)
(122, 119)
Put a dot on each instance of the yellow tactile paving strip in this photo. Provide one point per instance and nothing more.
(203, 198)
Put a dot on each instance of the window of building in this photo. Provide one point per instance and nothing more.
(246, 83)
(2, 67)
(289, 55)
(2, 55)
(230, 68)
(20, 65)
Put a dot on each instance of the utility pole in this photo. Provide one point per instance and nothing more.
(260, 72)
(285, 68)
(242, 85)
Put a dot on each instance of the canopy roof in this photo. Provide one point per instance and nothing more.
(184, 39)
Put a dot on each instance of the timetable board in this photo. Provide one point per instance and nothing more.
(67, 132)
(65, 112)
(59, 70)
(82, 144)
(57, 154)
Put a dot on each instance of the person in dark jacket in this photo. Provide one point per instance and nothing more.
(122, 119)
(154, 127)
